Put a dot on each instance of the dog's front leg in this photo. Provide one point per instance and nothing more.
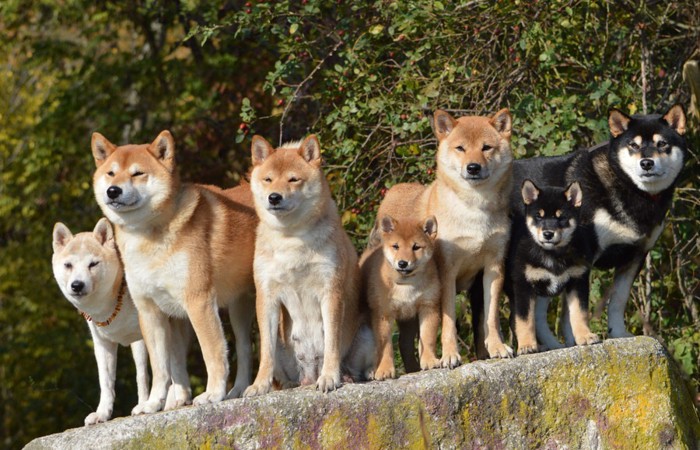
(429, 322)
(332, 315)
(106, 356)
(577, 306)
(140, 354)
(493, 286)
(202, 310)
(450, 350)
(524, 312)
(155, 328)
(622, 284)
(268, 311)
(241, 315)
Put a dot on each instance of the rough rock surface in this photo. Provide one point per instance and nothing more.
(624, 393)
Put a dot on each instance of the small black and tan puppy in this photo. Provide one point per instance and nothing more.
(546, 257)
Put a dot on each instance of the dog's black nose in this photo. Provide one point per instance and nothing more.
(647, 164)
(274, 198)
(548, 234)
(402, 264)
(114, 192)
(77, 286)
(473, 169)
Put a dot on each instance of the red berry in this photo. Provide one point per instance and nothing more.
(248, 4)
(662, 73)
(382, 192)
(430, 171)
(280, 102)
(243, 126)
(404, 116)
(248, 11)
(391, 54)
(341, 33)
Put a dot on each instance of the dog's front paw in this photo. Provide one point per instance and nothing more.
(450, 360)
(384, 373)
(148, 407)
(206, 397)
(588, 339)
(97, 417)
(528, 348)
(429, 363)
(178, 396)
(257, 389)
(498, 349)
(327, 383)
(615, 333)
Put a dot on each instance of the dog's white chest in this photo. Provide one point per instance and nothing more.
(404, 300)
(556, 281)
(610, 231)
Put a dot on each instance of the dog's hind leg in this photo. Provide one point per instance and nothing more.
(140, 354)
(408, 331)
(544, 333)
(106, 356)
(241, 312)
(180, 392)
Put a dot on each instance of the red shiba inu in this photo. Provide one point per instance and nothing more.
(177, 242)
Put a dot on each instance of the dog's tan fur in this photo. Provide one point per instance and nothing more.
(408, 246)
(187, 250)
(305, 262)
(473, 218)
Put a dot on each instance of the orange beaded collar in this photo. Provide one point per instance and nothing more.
(117, 307)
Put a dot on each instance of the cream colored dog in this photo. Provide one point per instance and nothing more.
(305, 263)
(469, 199)
(187, 250)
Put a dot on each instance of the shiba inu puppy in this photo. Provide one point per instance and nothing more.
(546, 257)
(177, 242)
(88, 271)
(400, 280)
(469, 199)
(628, 188)
(305, 267)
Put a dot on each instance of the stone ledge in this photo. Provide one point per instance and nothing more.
(624, 393)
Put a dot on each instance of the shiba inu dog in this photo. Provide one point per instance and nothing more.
(469, 199)
(628, 188)
(187, 250)
(546, 257)
(305, 267)
(88, 271)
(400, 280)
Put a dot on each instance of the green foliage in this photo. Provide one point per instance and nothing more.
(363, 75)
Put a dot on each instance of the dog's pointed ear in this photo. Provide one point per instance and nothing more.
(387, 224)
(502, 121)
(529, 191)
(430, 227)
(101, 148)
(443, 124)
(163, 148)
(310, 149)
(574, 194)
(104, 233)
(675, 117)
(61, 237)
(618, 122)
(260, 150)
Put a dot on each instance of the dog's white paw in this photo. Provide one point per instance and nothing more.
(97, 417)
(450, 360)
(148, 407)
(384, 373)
(527, 349)
(498, 349)
(178, 396)
(429, 363)
(327, 383)
(257, 389)
(588, 339)
(208, 397)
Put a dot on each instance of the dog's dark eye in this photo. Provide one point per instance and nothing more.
(416, 247)
(459, 148)
(68, 265)
(137, 174)
(395, 246)
(110, 173)
(633, 145)
(662, 144)
(294, 180)
(93, 264)
(267, 180)
(486, 148)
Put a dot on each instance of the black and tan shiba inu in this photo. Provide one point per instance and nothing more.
(546, 257)
(628, 187)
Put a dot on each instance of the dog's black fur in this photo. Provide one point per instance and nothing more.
(627, 189)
